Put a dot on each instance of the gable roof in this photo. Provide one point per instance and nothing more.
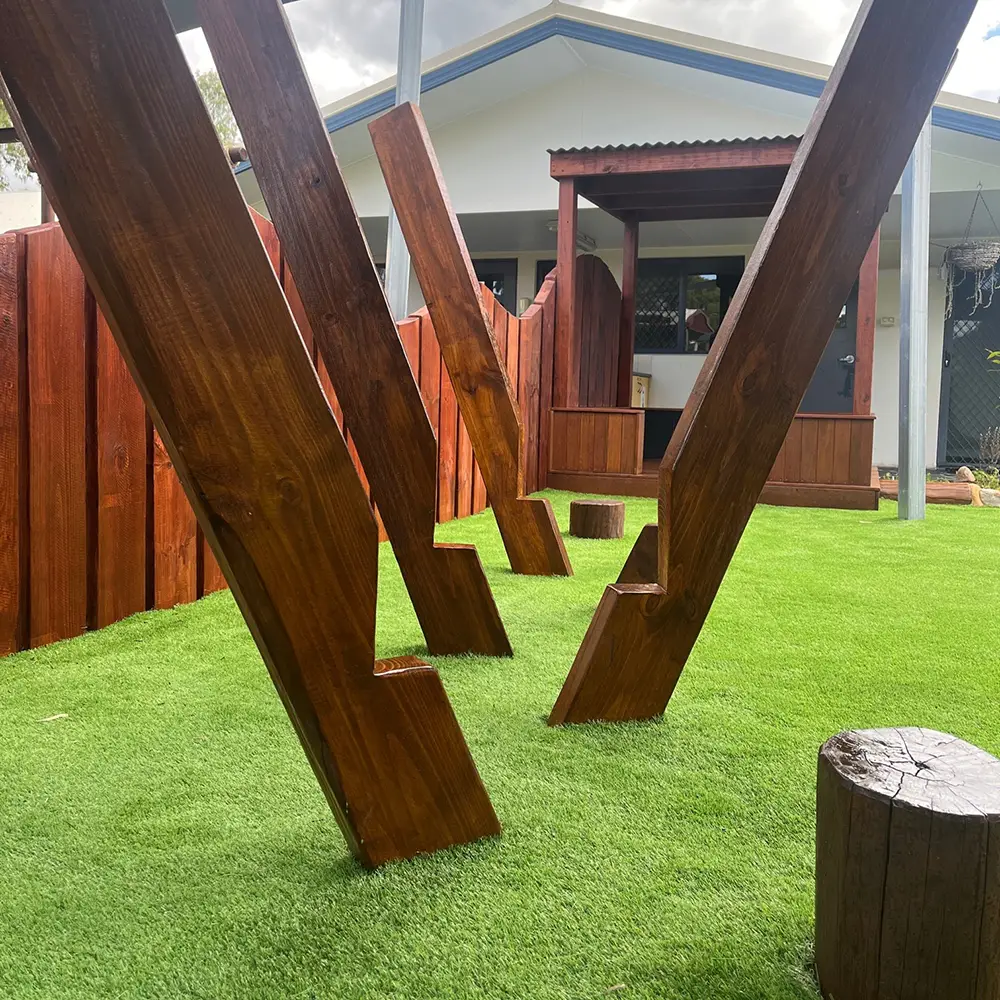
(557, 19)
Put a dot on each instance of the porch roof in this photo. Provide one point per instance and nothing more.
(673, 181)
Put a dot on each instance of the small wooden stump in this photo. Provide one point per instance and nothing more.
(907, 867)
(597, 518)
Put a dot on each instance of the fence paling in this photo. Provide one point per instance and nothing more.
(94, 523)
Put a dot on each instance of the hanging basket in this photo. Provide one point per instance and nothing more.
(975, 255)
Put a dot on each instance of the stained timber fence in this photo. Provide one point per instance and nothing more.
(94, 524)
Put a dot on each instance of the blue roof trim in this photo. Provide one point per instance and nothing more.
(737, 69)
(966, 121)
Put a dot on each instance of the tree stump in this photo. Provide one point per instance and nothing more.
(597, 518)
(907, 867)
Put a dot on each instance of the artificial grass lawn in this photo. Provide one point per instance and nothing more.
(167, 839)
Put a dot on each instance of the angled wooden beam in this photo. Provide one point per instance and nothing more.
(172, 255)
(184, 14)
(485, 397)
(764, 356)
(326, 251)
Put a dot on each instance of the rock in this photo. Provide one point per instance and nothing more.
(990, 498)
(964, 475)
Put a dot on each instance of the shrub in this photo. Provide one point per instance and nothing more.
(988, 479)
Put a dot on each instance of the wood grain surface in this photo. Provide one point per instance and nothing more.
(325, 248)
(907, 873)
(479, 378)
(170, 250)
(767, 349)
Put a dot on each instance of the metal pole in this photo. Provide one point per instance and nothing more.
(397, 271)
(913, 273)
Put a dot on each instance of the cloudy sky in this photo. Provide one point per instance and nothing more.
(349, 44)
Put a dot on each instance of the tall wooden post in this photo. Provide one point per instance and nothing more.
(626, 327)
(180, 273)
(765, 354)
(864, 348)
(469, 350)
(567, 379)
(324, 249)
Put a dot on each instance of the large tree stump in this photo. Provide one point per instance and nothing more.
(597, 518)
(907, 867)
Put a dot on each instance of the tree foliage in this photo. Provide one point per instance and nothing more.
(14, 158)
(218, 107)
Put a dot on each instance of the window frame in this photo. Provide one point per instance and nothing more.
(682, 268)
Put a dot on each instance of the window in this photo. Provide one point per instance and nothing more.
(680, 302)
(542, 269)
(500, 277)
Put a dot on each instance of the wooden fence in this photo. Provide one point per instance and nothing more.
(94, 524)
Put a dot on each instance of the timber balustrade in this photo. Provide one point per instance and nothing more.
(94, 524)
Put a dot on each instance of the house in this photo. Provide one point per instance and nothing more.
(19, 209)
(581, 83)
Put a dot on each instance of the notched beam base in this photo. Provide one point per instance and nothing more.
(625, 670)
(640, 567)
(477, 627)
(531, 537)
(442, 801)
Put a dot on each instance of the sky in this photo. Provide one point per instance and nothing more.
(349, 44)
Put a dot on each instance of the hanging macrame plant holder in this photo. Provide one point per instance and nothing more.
(974, 258)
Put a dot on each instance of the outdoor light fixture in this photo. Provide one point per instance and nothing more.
(584, 242)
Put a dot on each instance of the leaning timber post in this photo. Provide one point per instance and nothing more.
(179, 272)
(907, 867)
(324, 249)
(468, 342)
(765, 354)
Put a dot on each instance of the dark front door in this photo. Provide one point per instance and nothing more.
(970, 384)
(500, 277)
(832, 387)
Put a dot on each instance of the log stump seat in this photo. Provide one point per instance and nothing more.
(907, 867)
(597, 518)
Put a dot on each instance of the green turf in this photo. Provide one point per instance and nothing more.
(167, 839)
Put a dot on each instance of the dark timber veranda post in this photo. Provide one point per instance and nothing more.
(864, 347)
(567, 379)
(626, 328)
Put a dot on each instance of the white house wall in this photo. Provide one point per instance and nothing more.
(673, 375)
(497, 160)
(19, 210)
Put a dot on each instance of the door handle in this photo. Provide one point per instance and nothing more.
(848, 359)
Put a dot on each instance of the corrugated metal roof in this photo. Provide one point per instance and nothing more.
(693, 144)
